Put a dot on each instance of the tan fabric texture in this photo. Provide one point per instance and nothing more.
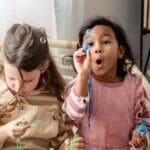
(53, 126)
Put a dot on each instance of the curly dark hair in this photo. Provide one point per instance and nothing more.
(126, 62)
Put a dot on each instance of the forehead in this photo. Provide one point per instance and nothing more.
(101, 30)
(12, 71)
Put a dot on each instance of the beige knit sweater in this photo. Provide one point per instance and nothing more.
(53, 127)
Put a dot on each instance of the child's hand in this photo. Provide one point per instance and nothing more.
(82, 62)
(76, 144)
(138, 139)
(14, 130)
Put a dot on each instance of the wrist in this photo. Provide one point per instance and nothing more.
(82, 77)
(4, 135)
(81, 86)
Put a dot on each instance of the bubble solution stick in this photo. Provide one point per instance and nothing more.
(86, 46)
(75, 135)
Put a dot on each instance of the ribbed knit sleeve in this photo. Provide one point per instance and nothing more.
(74, 105)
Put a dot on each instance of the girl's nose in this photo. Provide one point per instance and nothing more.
(18, 86)
(98, 48)
(98, 51)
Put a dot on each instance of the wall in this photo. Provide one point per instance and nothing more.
(40, 13)
(71, 13)
(146, 47)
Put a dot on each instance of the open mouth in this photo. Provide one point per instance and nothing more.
(98, 61)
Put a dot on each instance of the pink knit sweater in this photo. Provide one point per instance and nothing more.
(116, 109)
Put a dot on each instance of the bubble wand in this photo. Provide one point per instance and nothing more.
(86, 47)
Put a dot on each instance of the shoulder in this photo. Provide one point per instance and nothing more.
(134, 78)
(135, 81)
(70, 85)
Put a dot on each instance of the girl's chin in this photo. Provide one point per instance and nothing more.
(99, 73)
(98, 69)
(98, 66)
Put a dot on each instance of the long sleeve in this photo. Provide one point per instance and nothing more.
(140, 101)
(142, 108)
(146, 114)
(74, 105)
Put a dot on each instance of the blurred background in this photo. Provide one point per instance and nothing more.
(63, 18)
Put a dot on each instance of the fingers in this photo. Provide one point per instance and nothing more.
(22, 126)
(79, 55)
(16, 128)
(65, 145)
(19, 130)
(88, 55)
(78, 143)
(139, 139)
(18, 121)
(82, 61)
(75, 144)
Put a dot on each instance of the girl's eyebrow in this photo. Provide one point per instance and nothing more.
(29, 80)
(107, 34)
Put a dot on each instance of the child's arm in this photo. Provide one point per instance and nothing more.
(3, 135)
(82, 65)
(76, 94)
(12, 130)
(75, 106)
(141, 134)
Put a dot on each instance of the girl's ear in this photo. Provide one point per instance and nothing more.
(121, 51)
(44, 66)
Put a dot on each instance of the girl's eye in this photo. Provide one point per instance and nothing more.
(91, 44)
(106, 42)
(12, 79)
(28, 81)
